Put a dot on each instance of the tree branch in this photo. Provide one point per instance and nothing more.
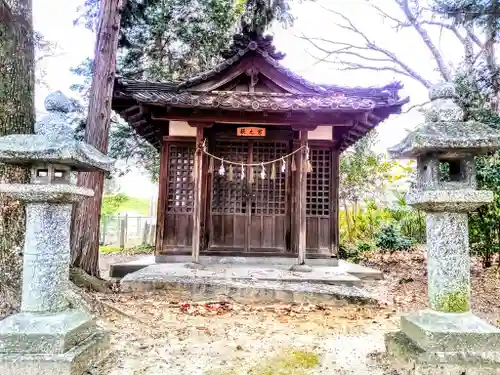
(473, 37)
(416, 106)
(345, 50)
(399, 23)
(447, 26)
(403, 4)
(360, 51)
(358, 66)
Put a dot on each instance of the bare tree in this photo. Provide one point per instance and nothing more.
(356, 50)
(361, 52)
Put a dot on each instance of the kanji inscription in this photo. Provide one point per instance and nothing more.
(251, 132)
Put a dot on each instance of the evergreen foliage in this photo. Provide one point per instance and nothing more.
(170, 40)
(480, 12)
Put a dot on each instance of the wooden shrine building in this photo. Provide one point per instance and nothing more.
(249, 110)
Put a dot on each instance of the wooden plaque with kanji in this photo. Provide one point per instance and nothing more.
(251, 132)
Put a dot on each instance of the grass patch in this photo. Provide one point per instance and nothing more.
(109, 250)
(142, 249)
(290, 362)
(120, 204)
(141, 206)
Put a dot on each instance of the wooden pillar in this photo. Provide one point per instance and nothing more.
(302, 197)
(301, 205)
(334, 207)
(162, 199)
(198, 174)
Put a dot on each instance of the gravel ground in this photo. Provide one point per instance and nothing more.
(161, 333)
(163, 338)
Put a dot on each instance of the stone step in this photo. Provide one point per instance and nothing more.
(209, 284)
(174, 271)
(119, 270)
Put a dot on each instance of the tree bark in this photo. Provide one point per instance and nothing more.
(86, 215)
(17, 116)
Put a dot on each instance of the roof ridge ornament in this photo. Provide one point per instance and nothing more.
(253, 41)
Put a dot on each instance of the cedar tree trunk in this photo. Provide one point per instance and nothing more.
(17, 115)
(86, 214)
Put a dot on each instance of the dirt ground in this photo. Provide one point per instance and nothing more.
(404, 287)
(162, 338)
(160, 332)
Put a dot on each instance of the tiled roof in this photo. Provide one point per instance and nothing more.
(234, 100)
(312, 97)
(327, 97)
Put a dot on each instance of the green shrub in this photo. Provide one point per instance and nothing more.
(390, 238)
(410, 221)
(363, 247)
(344, 250)
(354, 254)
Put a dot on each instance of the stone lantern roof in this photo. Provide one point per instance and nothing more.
(53, 142)
(445, 132)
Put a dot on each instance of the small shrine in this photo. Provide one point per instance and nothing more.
(250, 153)
(447, 338)
(50, 335)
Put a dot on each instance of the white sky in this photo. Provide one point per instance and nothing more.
(54, 19)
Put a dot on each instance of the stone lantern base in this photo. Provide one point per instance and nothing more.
(435, 343)
(64, 343)
(75, 361)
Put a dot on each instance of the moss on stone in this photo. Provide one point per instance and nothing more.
(290, 362)
(455, 302)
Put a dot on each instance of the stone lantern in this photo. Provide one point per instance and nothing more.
(49, 335)
(446, 338)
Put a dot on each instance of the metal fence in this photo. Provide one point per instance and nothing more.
(126, 231)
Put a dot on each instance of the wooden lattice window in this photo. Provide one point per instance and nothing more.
(269, 196)
(180, 183)
(228, 196)
(319, 183)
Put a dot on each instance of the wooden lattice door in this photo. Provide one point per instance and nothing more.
(249, 215)
(228, 219)
(268, 224)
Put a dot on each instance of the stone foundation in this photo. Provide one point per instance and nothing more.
(50, 333)
(409, 359)
(75, 361)
(448, 332)
(434, 343)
